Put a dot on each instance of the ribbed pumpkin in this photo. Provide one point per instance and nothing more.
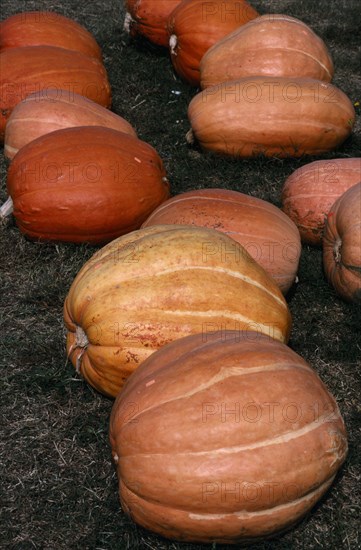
(271, 116)
(310, 191)
(342, 245)
(195, 25)
(46, 28)
(149, 19)
(49, 110)
(86, 184)
(224, 439)
(160, 283)
(31, 69)
(270, 45)
(267, 234)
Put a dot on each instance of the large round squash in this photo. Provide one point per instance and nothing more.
(160, 283)
(271, 116)
(267, 234)
(31, 69)
(149, 18)
(270, 45)
(49, 110)
(195, 25)
(342, 245)
(46, 28)
(85, 184)
(310, 191)
(224, 439)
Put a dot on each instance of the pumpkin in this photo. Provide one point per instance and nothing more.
(310, 191)
(46, 28)
(35, 68)
(270, 45)
(342, 245)
(86, 184)
(194, 26)
(224, 439)
(157, 284)
(267, 234)
(280, 117)
(49, 110)
(149, 19)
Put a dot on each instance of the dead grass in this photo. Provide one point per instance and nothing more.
(59, 489)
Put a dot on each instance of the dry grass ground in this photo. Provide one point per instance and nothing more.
(59, 489)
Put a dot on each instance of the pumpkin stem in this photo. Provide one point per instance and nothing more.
(173, 42)
(190, 137)
(81, 341)
(6, 209)
(337, 251)
(128, 20)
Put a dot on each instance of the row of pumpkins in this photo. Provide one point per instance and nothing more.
(185, 303)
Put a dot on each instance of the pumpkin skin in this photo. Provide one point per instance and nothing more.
(87, 184)
(310, 191)
(35, 68)
(342, 245)
(44, 112)
(149, 19)
(243, 414)
(270, 45)
(45, 28)
(279, 117)
(267, 234)
(157, 284)
(194, 26)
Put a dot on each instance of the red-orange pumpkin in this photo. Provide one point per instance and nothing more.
(270, 45)
(49, 110)
(271, 116)
(310, 191)
(195, 25)
(148, 18)
(85, 184)
(46, 28)
(31, 69)
(342, 245)
(160, 283)
(267, 234)
(224, 438)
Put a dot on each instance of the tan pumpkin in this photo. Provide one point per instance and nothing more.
(267, 234)
(226, 439)
(342, 245)
(310, 191)
(47, 28)
(30, 69)
(271, 116)
(85, 184)
(160, 283)
(195, 25)
(49, 110)
(270, 45)
(149, 19)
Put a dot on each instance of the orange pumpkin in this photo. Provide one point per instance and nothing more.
(32, 69)
(226, 439)
(267, 234)
(310, 191)
(49, 110)
(160, 283)
(46, 28)
(149, 19)
(270, 45)
(271, 116)
(194, 26)
(342, 245)
(85, 184)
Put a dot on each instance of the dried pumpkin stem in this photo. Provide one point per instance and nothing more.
(128, 20)
(337, 251)
(6, 209)
(81, 341)
(190, 137)
(173, 42)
